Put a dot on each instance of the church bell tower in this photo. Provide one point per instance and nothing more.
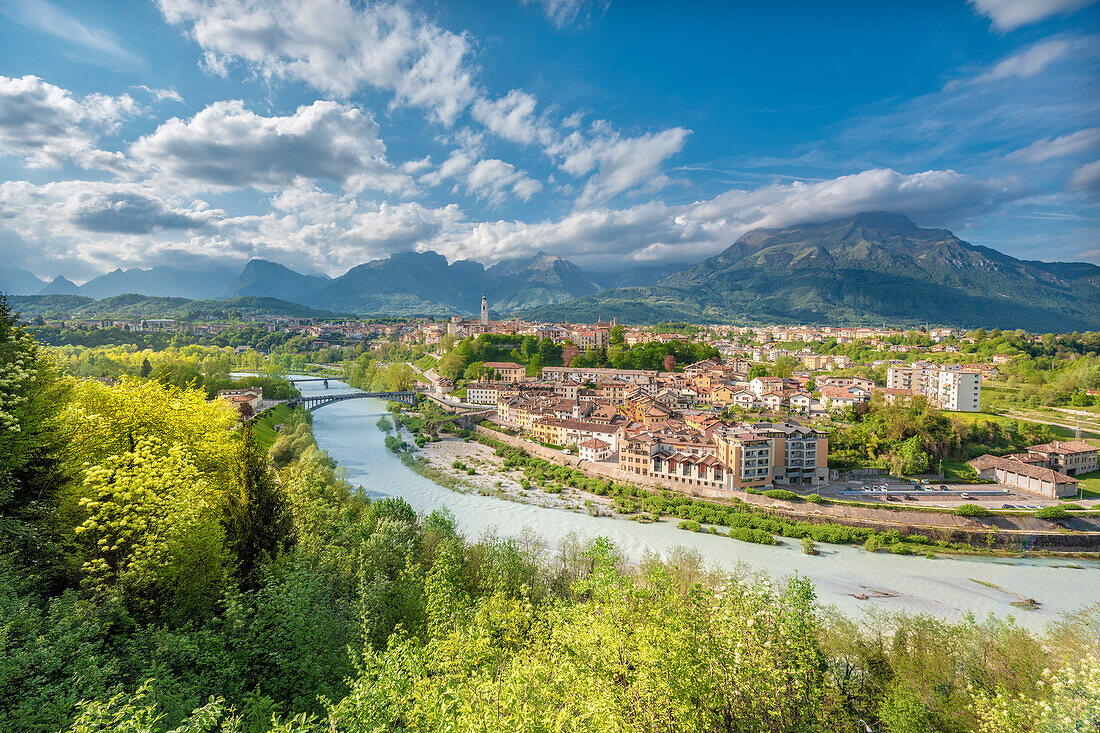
(484, 310)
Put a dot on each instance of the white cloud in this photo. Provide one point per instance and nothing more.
(485, 178)
(1008, 15)
(106, 48)
(620, 163)
(654, 232)
(340, 48)
(417, 166)
(336, 47)
(161, 95)
(318, 231)
(512, 117)
(47, 126)
(939, 196)
(1086, 178)
(82, 228)
(1077, 143)
(564, 13)
(226, 145)
(1029, 62)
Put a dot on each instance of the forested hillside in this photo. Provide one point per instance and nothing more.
(160, 570)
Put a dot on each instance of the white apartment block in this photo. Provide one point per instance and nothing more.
(946, 386)
(482, 393)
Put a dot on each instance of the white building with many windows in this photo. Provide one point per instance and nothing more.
(946, 386)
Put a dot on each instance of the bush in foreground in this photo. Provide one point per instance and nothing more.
(1052, 512)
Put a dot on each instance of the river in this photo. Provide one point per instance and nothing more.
(943, 586)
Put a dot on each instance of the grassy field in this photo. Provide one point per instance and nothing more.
(1090, 485)
(1060, 432)
(960, 473)
(264, 425)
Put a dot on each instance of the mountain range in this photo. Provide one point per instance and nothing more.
(862, 269)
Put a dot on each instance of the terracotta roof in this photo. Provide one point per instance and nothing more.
(592, 427)
(594, 443)
(1064, 447)
(981, 463)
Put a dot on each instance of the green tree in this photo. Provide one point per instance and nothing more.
(257, 518)
(32, 398)
(146, 369)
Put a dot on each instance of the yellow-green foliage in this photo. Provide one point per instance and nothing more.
(152, 532)
(105, 421)
(150, 466)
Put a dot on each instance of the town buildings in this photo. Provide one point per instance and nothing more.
(947, 386)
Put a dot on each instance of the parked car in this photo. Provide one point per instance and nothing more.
(943, 488)
(567, 452)
(966, 496)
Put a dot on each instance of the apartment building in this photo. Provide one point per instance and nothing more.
(747, 458)
(958, 391)
(564, 431)
(679, 461)
(946, 386)
(482, 393)
(597, 374)
(799, 454)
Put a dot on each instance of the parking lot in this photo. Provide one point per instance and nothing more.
(935, 494)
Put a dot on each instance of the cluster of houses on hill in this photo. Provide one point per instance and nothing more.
(662, 426)
(708, 384)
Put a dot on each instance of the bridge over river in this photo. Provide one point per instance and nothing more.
(316, 401)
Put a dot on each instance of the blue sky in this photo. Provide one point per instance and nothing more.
(325, 134)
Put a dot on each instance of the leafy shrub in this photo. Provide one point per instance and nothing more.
(1071, 507)
(690, 525)
(808, 546)
(1052, 512)
(782, 494)
(748, 534)
(971, 510)
(816, 498)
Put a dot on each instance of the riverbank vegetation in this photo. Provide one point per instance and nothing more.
(741, 521)
(159, 572)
